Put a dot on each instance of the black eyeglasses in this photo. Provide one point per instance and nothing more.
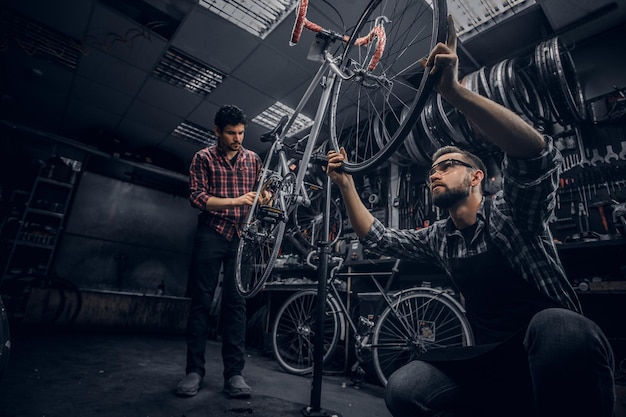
(444, 167)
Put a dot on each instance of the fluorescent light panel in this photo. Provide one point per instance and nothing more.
(257, 17)
(186, 72)
(272, 115)
(38, 39)
(195, 134)
(473, 16)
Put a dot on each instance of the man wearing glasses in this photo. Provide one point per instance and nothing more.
(535, 353)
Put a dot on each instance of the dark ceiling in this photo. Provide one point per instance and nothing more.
(112, 94)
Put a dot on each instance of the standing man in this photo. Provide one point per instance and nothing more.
(536, 354)
(221, 178)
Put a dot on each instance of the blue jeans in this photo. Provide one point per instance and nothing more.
(211, 251)
(562, 367)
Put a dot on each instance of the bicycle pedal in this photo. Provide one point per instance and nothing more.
(270, 214)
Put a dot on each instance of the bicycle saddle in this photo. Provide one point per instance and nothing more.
(273, 134)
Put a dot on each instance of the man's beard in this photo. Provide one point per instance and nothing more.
(232, 147)
(452, 196)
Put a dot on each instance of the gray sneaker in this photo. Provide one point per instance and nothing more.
(236, 387)
(189, 385)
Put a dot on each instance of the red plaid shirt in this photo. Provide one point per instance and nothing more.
(211, 174)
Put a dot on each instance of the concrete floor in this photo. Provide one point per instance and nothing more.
(71, 374)
(81, 374)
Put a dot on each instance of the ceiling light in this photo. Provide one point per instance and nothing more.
(195, 134)
(37, 39)
(257, 17)
(473, 16)
(186, 72)
(272, 115)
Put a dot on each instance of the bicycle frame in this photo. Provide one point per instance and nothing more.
(386, 301)
(344, 310)
(325, 77)
(264, 226)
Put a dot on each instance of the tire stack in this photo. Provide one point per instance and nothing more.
(542, 88)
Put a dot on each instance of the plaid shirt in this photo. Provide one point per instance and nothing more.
(211, 174)
(518, 225)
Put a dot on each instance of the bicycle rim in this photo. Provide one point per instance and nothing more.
(391, 97)
(414, 324)
(294, 329)
(257, 251)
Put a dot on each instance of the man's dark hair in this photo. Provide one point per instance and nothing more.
(229, 115)
(473, 159)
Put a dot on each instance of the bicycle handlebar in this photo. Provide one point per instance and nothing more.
(377, 32)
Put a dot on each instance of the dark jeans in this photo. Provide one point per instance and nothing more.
(211, 250)
(562, 366)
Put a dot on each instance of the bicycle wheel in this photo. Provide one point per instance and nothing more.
(415, 323)
(258, 248)
(391, 96)
(262, 237)
(293, 332)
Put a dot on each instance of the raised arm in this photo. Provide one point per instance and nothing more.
(504, 128)
(360, 217)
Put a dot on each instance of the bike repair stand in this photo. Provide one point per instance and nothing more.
(315, 409)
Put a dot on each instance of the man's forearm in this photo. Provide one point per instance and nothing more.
(360, 217)
(219, 203)
(504, 128)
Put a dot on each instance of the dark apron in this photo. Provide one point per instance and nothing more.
(499, 302)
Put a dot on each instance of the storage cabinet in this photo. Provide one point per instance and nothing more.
(34, 223)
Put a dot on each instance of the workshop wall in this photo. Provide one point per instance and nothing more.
(126, 237)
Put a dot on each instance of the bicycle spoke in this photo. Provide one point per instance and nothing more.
(414, 324)
(294, 332)
(391, 96)
(257, 251)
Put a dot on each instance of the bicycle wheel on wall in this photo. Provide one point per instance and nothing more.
(415, 323)
(391, 96)
(293, 332)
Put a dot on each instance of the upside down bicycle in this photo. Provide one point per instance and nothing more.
(373, 90)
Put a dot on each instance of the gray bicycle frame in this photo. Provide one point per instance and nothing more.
(325, 77)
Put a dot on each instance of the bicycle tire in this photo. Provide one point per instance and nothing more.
(293, 331)
(396, 85)
(256, 254)
(415, 323)
(262, 236)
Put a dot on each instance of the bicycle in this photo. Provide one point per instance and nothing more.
(412, 322)
(373, 92)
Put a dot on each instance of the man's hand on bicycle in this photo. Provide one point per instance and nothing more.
(248, 198)
(444, 61)
(265, 197)
(335, 161)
